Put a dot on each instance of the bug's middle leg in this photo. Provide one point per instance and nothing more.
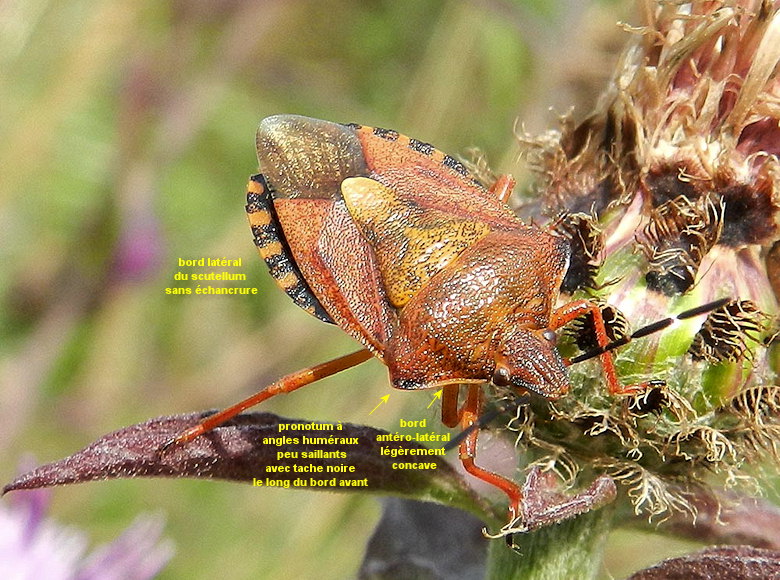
(450, 414)
(469, 414)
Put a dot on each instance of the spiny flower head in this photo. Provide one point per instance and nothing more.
(668, 192)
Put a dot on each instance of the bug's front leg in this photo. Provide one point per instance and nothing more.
(469, 414)
(450, 414)
(572, 310)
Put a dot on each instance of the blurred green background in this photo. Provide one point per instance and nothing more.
(126, 137)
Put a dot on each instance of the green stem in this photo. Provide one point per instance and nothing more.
(572, 549)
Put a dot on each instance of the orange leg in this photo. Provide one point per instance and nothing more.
(503, 187)
(449, 406)
(468, 451)
(286, 384)
(572, 310)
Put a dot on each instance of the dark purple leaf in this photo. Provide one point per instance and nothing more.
(719, 563)
(726, 518)
(424, 540)
(242, 450)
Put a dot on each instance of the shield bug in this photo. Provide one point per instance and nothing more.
(397, 244)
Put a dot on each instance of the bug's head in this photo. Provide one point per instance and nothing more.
(529, 360)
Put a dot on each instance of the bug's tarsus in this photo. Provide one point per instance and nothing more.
(510, 543)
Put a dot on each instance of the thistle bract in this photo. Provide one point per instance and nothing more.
(668, 192)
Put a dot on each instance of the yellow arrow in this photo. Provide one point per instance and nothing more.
(436, 395)
(384, 400)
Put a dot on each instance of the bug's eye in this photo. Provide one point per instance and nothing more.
(501, 376)
(550, 336)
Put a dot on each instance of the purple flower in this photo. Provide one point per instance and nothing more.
(34, 547)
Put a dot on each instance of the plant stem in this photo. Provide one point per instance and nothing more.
(571, 549)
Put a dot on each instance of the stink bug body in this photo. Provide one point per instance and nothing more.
(392, 239)
(431, 272)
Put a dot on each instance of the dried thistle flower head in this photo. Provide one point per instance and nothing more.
(669, 193)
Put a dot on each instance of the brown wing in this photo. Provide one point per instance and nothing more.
(366, 246)
(420, 209)
(305, 161)
(422, 174)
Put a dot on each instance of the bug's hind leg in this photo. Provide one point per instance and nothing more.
(286, 384)
(450, 414)
(503, 187)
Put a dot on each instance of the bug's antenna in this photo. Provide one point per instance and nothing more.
(650, 329)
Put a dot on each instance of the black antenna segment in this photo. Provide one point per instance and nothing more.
(484, 419)
(650, 329)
